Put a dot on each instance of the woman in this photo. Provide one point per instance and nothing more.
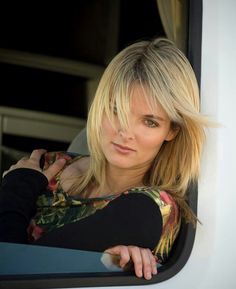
(145, 136)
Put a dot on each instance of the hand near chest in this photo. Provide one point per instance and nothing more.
(33, 162)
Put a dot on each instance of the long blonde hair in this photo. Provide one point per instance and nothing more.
(168, 78)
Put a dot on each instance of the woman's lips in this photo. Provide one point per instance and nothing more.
(122, 149)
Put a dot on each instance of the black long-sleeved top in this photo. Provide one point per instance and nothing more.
(131, 219)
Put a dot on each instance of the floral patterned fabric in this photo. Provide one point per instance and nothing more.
(55, 208)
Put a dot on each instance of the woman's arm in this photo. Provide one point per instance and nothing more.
(131, 219)
(136, 220)
(21, 185)
(129, 227)
(18, 194)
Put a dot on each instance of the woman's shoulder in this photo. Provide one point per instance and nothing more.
(162, 198)
(168, 206)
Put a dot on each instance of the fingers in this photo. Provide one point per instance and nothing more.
(124, 256)
(31, 162)
(149, 264)
(144, 261)
(136, 257)
(122, 252)
(54, 168)
(36, 154)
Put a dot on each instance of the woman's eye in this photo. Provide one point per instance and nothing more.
(151, 123)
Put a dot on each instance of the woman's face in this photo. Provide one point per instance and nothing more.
(136, 146)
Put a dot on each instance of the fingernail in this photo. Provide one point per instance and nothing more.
(140, 274)
(62, 162)
(148, 276)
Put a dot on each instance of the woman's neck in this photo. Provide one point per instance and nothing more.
(119, 180)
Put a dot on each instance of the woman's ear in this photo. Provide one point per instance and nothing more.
(174, 130)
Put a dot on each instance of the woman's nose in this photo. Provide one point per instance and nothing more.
(126, 133)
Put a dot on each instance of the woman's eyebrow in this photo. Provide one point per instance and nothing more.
(154, 116)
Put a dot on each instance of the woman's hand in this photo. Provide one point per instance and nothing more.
(144, 262)
(33, 162)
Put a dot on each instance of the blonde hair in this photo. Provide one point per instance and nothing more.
(168, 80)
